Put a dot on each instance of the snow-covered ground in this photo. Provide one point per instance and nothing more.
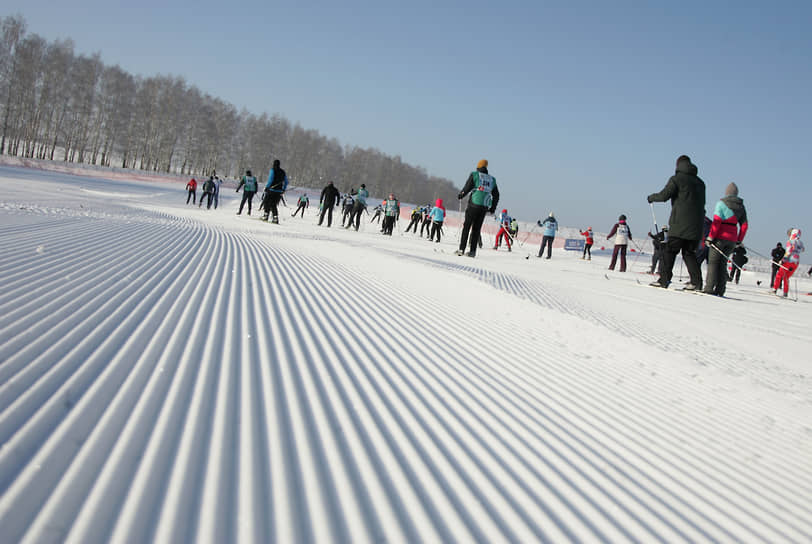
(173, 374)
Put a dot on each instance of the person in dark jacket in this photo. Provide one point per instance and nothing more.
(739, 259)
(208, 192)
(484, 199)
(415, 219)
(249, 189)
(777, 254)
(658, 241)
(727, 231)
(686, 191)
(274, 189)
(329, 199)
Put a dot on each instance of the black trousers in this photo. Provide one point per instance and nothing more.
(247, 196)
(270, 201)
(673, 247)
(474, 216)
(301, 207)
(388, 224)
(329, 211)
(192, 195)
(436, 230)
(546, 241)
(413, 224)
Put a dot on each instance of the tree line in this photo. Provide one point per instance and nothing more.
(59, 105)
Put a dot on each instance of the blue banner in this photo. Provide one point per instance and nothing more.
(574, 244)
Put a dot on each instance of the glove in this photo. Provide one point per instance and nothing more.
(739, 244)
(649, 199)
(460, 195)
(709, 240)
(538, 222)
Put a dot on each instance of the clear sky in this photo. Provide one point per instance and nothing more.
(580, 107)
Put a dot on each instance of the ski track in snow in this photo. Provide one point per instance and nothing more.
(165, 380)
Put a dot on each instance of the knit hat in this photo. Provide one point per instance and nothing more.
(732, 189)
(482, 164)
(683, 158)
(551, 214)
(621, 218)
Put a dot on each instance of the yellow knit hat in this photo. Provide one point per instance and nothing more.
(482, 164)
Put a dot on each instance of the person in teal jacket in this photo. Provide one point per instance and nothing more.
(550, 226)
(358, 206)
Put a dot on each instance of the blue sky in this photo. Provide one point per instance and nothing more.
(580, 107)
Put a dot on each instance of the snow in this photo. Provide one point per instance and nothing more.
(174, 374)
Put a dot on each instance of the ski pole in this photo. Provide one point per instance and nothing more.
(656, 229)
(754, 252)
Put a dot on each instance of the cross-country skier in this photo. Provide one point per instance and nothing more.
(274, 189)
(216, 195)
(623, 236)
(391, 210)
(777, 254)
(686, 191)
(358, 207)
(483, 200)
(303, 203)
(249, 189)
(550, 226)
(329, 199)
(346, 206)
(504, 228)
(208, 193)
(589, 240)
(191, 188)
(790, 262)
(425, 220)
(415, 219)
(739, 259)
(437, 214)
(727, 231)
(658, 243)
(378, 213)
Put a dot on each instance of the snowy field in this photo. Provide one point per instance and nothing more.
(173, 374)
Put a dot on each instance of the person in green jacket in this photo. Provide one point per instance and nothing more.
(686, 191)
(249, 189)
(483, 200)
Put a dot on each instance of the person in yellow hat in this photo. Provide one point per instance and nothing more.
(484, 199)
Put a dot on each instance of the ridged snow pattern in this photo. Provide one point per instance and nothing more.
(207, 386)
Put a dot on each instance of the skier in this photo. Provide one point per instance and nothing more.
(378, 212)
(550, 226)
(658, 242)
(208, 192)
(426, 220)
(216, 195)
(358, 207)
(274, 189)
(590, 239)
(415, 219)
(329, 198)
(191, 187)
(249, 189)
(346, 206)
(686, 191)
(739, 260)
(623, 235)
(789, 262)
(727, 231)
(483, 200)
(303, 203)
(703, 251)
(391, 214)
(504, 227)
(514, 228)
(437, 214)
(777, 254)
